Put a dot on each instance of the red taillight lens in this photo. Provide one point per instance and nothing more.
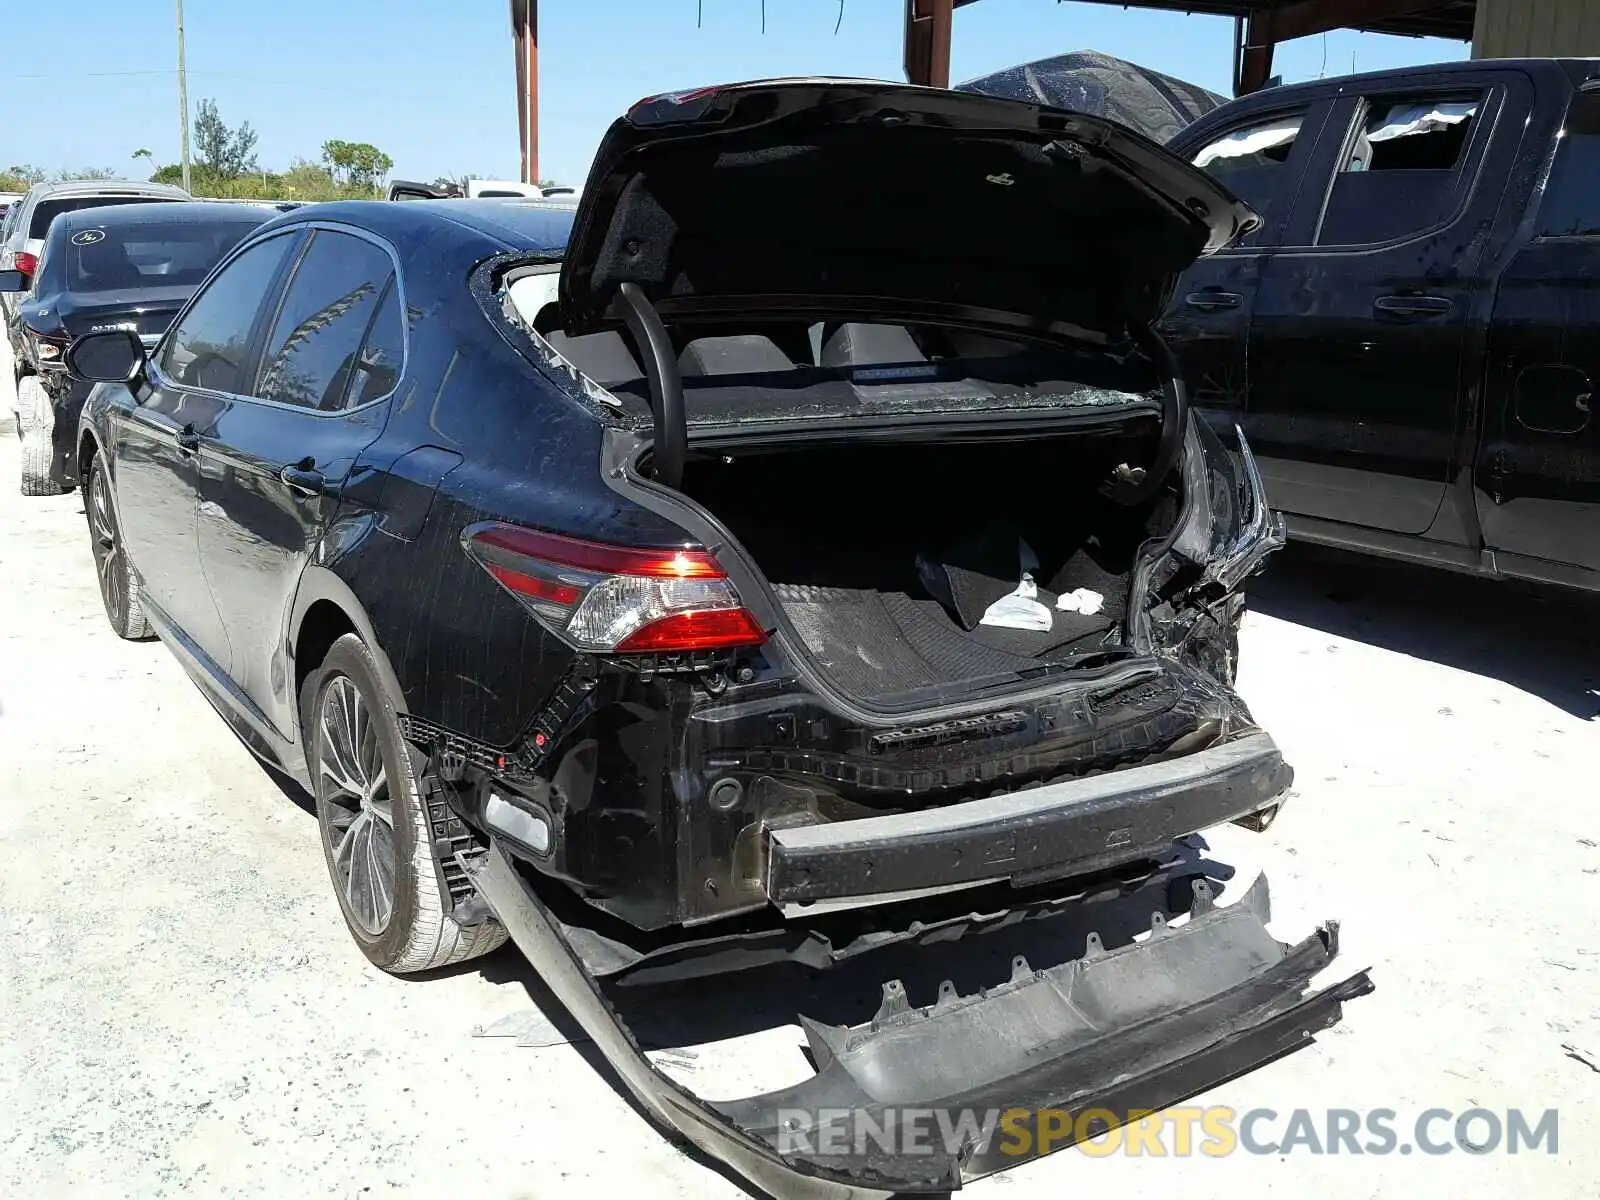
(25, 262)
(599, 557)
(718, 629)
(619, 599)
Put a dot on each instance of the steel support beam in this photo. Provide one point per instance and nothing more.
(927, 41)
(1266, 27)
(1254, 54)
(525, 39)
(1310, 17)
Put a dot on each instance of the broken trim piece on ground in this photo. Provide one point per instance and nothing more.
(1138, 1027)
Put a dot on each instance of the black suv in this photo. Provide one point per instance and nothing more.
(805, 547)
(116, 267)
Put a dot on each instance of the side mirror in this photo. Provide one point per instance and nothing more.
(114, 357)
(13, 281)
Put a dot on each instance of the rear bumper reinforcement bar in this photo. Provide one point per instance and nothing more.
(1064, 829)
(1132, 1028)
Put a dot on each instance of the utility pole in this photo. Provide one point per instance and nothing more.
(525, 40)
(183, 101)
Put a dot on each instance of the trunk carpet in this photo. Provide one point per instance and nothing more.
(882, 643)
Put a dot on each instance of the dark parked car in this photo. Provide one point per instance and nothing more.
(1412, 339)
(128, 267)
(744, 568)
(29, 219)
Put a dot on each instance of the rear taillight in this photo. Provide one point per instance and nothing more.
(618, 599)
(27, 263)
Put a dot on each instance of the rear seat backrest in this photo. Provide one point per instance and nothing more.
(858, 345)
(742, 354)
(978, 345)
(603, 357)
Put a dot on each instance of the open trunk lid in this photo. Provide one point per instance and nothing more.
(835, 197)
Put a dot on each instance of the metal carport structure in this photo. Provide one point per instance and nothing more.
(1259, 26)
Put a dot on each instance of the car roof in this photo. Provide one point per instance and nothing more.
(520, 225)
(112, 215)
(110, 187)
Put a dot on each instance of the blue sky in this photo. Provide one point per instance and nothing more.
(432, 83)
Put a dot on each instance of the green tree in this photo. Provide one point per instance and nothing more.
(88, 173)
(362, 165)
(309, 181)
(20, 178)
(228, 153)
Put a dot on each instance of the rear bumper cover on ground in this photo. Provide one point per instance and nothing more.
(1057, 830)
(1127, 1029)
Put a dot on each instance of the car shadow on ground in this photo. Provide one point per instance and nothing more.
(1543, 640)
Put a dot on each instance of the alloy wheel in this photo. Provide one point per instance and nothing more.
(107, 549)
(360, 817)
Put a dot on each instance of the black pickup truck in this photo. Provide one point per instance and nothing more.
(1410, 340)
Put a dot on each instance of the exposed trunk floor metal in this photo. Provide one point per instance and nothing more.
(883, 643)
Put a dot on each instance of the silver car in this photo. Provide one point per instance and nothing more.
(29, 219)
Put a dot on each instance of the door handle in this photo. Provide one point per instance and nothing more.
(188, 440)
(303, 480)
(1412, 306)
(1208, 300)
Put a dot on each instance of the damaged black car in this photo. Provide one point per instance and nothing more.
(802, 547)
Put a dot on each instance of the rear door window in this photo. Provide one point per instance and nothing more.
(1406, 170)
(1571, 206)
(1252, 161)
(313, 348)
(378, 367)
(210, 345)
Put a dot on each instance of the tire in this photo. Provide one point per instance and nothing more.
(119, 582)
(36, 426)
(375, 836)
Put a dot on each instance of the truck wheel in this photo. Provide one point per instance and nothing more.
(119, 582)
(375, 833)
(35, 425)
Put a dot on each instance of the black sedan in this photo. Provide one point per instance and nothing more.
(116, 267)
(739, 569)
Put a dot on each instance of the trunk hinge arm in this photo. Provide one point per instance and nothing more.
(666, 385)
(1130, 486)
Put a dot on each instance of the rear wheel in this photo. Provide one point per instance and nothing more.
(36, 420)
(375, 834)
(119, 583)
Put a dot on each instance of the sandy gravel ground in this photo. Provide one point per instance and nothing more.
(183, 1014)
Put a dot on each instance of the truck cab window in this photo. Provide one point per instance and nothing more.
(1411, 136)
(1402, 174)
(1250, 160)
(1571, 206)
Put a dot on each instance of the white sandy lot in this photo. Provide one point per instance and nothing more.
(183, 1013)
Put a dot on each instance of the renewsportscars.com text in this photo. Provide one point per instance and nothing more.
(1214, 1131)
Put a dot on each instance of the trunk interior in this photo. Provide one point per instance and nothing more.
(886, 556)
